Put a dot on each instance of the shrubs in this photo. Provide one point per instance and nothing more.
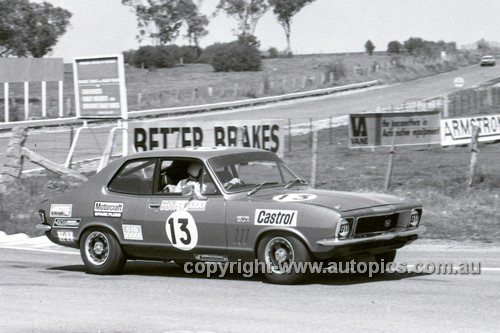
(236, 57)
(153, 57)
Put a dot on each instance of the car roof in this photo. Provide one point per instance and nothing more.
(194, 152)
(487, 56)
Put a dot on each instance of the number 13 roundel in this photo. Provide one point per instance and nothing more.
(181, 230)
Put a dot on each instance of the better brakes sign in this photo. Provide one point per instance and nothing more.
(164, 133)
(403, 128)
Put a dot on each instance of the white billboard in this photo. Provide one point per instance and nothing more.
(457, 131)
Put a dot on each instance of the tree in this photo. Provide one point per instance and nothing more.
(30, 29)
(285, 10)
(246, 12)
(161, 20)
(196, 28)
(369, 47)
(483, 45)
(394, 47)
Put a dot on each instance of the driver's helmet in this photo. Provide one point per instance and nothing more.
(194, 169)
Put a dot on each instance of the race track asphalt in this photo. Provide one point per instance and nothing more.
(53, 292)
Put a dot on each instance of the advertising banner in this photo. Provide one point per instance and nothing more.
(382, 129)
(100, 87)
(165, 133)
(459, 130)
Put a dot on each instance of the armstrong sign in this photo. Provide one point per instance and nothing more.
(164, 133)
(403, 128)
(459, 130)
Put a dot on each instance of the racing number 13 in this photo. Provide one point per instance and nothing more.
(183, 226)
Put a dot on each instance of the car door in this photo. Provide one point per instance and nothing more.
(187, 226)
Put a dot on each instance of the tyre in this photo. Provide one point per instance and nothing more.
(101, 252)
(275, 251)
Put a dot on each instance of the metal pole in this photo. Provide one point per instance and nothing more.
(61, 99)
(474, 156)
(314, 158)
(391, 162)
(289, 135)
(44, 99)
(6, 101)
(26, 100)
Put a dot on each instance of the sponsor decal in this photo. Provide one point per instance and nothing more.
(131, 231)
(211, 257)
(66, 223)
(293, 197)
(65, 236)
(242, 219)
(61, 210)
(108, 209)
(190, 205)
(181, 230)
(285, 218)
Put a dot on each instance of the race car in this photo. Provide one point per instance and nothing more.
(222, 204)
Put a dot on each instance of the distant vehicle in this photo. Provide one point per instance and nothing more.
(487, 60)
(249, 205)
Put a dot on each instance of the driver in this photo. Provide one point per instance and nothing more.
(195, 171)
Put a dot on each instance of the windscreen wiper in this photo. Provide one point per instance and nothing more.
(259, 186)
(292, 182)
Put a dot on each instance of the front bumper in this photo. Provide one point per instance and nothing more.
(43, 227)
(335, 242)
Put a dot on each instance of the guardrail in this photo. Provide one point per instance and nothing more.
(195, 108)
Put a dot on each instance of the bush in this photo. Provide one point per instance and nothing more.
(209, 52)
(155, 57)
(238, 58)
(189, 54)
(338, 69)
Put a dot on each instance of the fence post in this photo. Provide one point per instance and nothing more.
(446, 110)
(314, 158)
(310, 132)
(289, 135)
(330, 130)
(11, 169)
(6, 101)
(391, 162)
(474, 155)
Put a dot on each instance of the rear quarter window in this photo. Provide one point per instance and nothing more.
(134, 177)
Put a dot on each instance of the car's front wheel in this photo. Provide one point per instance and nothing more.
(101, 252)
(281, 255)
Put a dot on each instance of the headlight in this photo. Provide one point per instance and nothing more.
(343, 228)
(414, 218)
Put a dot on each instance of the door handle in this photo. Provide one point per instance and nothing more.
(154, 204)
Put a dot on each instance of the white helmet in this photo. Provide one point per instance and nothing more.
(194, 169)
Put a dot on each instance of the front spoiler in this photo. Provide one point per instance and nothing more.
(334, 242)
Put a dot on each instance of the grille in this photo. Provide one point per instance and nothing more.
(375, 224)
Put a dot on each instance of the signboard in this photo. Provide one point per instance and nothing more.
(403, 128)
(459, 130)
(100, 87)
(31, 69)
(164, 133)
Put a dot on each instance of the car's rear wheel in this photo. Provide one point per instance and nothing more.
(279, 252)
(101, 252)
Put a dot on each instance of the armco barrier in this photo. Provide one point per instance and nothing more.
(196, 108)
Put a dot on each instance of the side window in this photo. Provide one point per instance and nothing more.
(134, 177)
(177, 173)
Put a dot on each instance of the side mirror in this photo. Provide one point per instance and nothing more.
(189, 190)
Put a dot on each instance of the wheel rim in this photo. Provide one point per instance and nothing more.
(279, 251)
(97, 248)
